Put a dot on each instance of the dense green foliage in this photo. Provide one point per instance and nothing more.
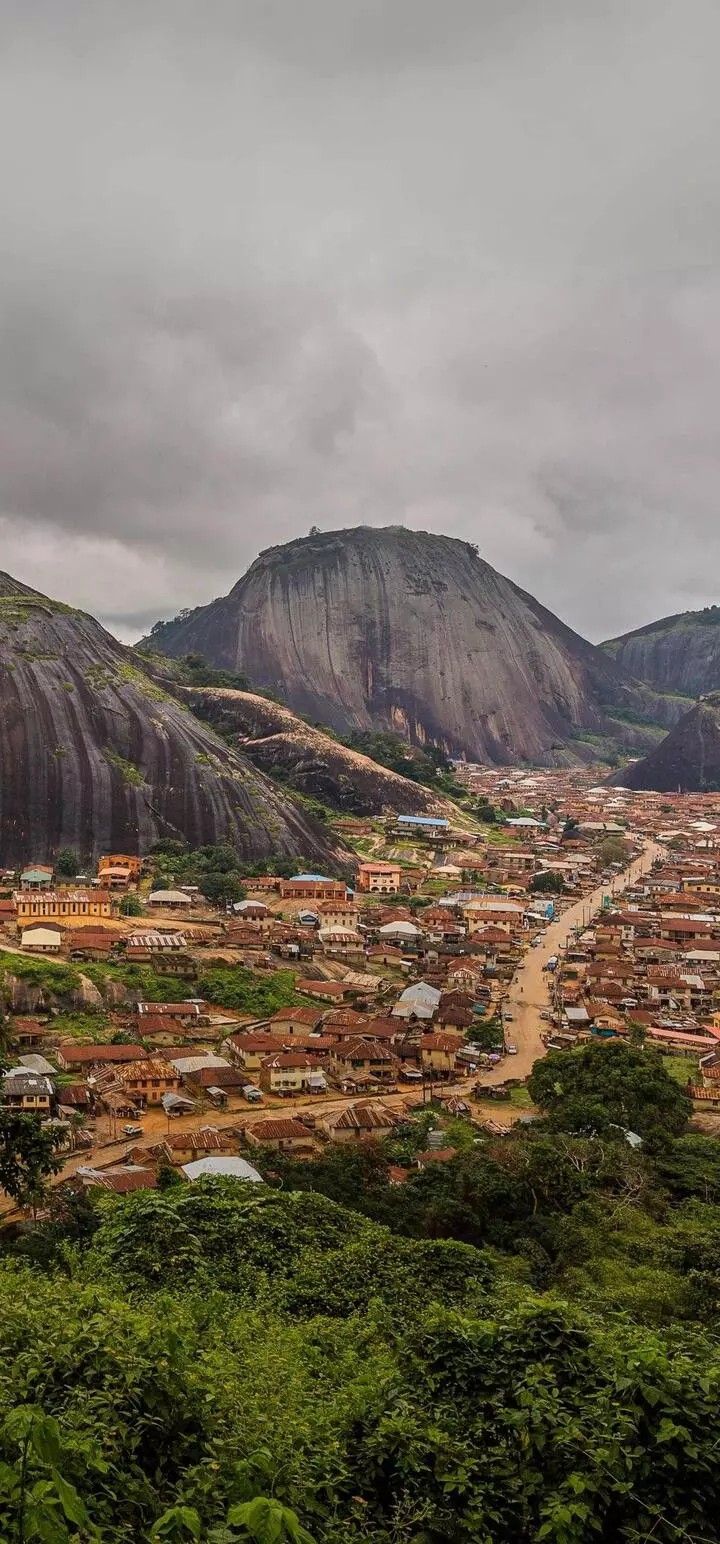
(196, 1348)
(237, 987)
(214, 869)
(231, 986)
(517, 1345)
(612, 849)
(604, 1085)
(67, 863)
(547, 883)
(28, 1156)
(196, 671)
(427, 765)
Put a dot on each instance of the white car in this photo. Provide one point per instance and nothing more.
(512, 1050)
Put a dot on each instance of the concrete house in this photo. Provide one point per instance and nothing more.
(42, 938)
(30, 1093)
(379, 878)
(287, 1072)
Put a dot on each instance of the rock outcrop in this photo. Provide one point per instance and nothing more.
(676, 654)
(687, 760)
(94, 755)
(312, 762)
(401, 630)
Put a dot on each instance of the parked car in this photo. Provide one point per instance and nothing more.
(132, 1131)
(512, 1050)
(252, 1094)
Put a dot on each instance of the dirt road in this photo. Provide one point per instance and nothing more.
(155, 1124)
(529, 991)
(528, 995)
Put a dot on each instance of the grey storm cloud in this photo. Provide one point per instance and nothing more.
(291, 262)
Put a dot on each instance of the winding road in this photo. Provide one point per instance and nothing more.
(529, 992)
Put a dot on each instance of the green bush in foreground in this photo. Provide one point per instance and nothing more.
(212, 1360)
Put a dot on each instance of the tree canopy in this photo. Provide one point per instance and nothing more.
(67, 863)
(603, 1085)
(222, 1362)
(28, 1156)
(547, 883)
(515, 1345)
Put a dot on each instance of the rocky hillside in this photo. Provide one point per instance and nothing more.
(276, 740)
(676, 654)
(401, 630)
(94, 755)
(687, 760)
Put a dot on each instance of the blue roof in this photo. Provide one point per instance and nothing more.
(422, 820)
(314, 877)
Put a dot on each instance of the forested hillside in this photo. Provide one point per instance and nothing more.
(518, 1344)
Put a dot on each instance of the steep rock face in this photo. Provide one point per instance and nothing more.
(688, 759)
(277, 740)
(676, 654)
(401, 630)
(95, 756)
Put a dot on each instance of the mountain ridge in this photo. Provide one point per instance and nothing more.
(679, 653)
(282, 744)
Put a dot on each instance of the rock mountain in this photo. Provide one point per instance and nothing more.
(389, 628)
(687, 760)
(676, 654)
(312, 762)
(94, 755)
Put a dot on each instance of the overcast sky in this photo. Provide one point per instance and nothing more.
(274, 263)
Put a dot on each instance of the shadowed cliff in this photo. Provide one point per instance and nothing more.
(94, 755)
(687, 760)
(676, 654)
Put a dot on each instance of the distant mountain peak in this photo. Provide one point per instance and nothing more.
(678, 653)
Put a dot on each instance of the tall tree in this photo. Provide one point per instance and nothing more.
(28, 1156)
(604, 1085)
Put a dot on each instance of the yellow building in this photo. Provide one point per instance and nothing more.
(118, 869)
(67, 906)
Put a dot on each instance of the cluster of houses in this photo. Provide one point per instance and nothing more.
(650, 966)
(178, 1055)
(172, 1069)
(395, 974)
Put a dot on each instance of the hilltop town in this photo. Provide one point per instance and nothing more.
(158, 1020)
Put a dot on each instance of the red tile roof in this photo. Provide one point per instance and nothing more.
(87, 1054)
(278, 1130)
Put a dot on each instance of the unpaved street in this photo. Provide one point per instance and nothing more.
(529, 992)
(528, 996)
